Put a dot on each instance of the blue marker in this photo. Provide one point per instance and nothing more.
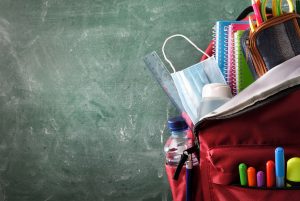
(279, 167)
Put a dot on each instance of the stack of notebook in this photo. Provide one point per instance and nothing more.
(229, 54)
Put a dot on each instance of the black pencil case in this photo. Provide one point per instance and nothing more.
(272, 43)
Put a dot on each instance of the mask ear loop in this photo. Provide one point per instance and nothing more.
(187, 39)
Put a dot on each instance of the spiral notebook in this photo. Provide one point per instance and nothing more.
(221, 44)
(231, 55)
(243, 76)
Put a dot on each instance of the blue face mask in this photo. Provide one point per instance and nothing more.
(190, 81)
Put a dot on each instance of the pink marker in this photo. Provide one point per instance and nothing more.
(257, 13)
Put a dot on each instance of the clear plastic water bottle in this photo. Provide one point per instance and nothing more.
(178, 141)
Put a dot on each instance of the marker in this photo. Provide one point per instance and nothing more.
(270, 172)
(279, 167)
(188, 176)
(293, 172)
(251, 174)
(260, 177)
(243, 174)
(257, 13)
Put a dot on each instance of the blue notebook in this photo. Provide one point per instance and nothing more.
(221, 44)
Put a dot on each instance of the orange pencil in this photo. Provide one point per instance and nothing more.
(251, 173)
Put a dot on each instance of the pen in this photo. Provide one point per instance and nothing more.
(251, 173)
(293, 172)
(260, 177)
(189, 167)
(279, 167)
(256, 13)
(270, 172)
(243, 174)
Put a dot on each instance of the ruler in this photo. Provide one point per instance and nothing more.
(163, 77)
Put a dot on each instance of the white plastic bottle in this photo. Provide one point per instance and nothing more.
(213, 96)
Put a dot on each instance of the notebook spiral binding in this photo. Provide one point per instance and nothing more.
(225, 55)
(231, 75)
(214, 41)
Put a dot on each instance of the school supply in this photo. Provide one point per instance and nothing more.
(189, 183)
(251, 175)
(257, 13)
(163, 77)
(270, 174)
(243, 76)
(258, 3)
(190, 81)
(273, 42)
(276, 8)
(252, 25)
(246, 128)
(221, 44)
(231, 79)
(279, 167)
(263, 10)
(293, 172)
(279, 6)
(243, 174)
(260, 177)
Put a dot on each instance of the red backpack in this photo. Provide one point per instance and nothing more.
(247, 129)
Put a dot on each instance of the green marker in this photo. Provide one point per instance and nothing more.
(243, 174)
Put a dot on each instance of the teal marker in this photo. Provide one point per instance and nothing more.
(243, 174)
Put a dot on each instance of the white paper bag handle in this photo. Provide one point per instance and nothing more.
(186, 38)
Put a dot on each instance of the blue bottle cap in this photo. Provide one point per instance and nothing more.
(177, 124)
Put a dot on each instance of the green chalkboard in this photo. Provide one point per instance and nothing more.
(81, 118)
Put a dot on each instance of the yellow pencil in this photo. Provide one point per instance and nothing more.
(251, 24)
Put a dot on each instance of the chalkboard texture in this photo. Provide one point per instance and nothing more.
(81, 118)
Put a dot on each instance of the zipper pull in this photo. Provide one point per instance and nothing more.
(183, 159)
(247, 42)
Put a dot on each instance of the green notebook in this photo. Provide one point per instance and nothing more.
(243, 74)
